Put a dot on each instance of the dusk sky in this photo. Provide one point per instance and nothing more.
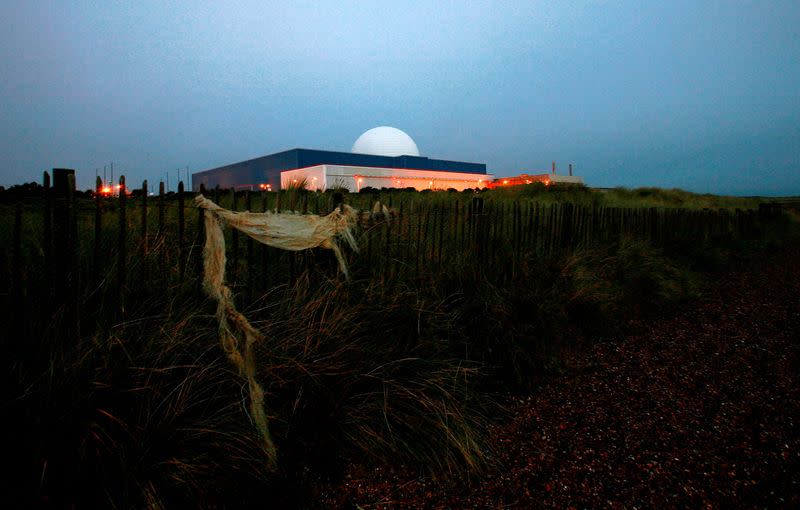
(698, 95)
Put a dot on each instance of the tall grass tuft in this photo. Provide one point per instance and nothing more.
(146, 416)
(151, 413)
(355, 371)
(623, 279)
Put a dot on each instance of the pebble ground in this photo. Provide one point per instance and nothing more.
(699, 409)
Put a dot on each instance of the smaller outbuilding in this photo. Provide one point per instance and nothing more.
(547, 179)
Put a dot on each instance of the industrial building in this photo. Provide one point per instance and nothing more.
(546, 179)
(383, 157)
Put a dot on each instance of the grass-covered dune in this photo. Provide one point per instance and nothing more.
(143, 409)
(627, 197)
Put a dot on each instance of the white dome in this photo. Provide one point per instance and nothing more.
(385, 141)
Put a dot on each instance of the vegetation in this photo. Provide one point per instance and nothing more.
(611, 197)
(404, 364)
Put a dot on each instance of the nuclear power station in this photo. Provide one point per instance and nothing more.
(382, 157)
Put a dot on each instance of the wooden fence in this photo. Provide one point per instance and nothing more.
(74, 261)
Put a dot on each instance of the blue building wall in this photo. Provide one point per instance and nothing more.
(267, 169)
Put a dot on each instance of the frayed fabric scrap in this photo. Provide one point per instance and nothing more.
(290, 231)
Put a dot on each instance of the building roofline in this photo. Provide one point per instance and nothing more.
(295, 149)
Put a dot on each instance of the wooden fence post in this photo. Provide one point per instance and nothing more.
(62, 215)
(417, 261)
(567, 225)
(585, 222)
(498, 224)
(535, 228)
(265, 277)
(367, 233)
(18, 309)
(426, 241)
(518, 235)
(737, 223)
(122, 247)
(199, 242)
(458, 229)
(475, 229)
(144, 277)
(552, 219)
(98, 231)
(47, 247)
(250, 264)
(432, 229)
(386, 232)
(181, 232)
(488, 229)
(162, 241)
(443, 216)
(65, 242)
(338, 201)
(653, 226)
(234, 268)
(408, 218)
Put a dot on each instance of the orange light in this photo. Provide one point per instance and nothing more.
(106, 190)
(505, 182)
(547, 182)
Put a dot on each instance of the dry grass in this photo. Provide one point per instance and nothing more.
(355, 370)
(147, 412)
(147, 415)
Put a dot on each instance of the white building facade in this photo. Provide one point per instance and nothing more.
(355, 178)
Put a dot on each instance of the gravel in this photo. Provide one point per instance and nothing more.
(697, 409)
